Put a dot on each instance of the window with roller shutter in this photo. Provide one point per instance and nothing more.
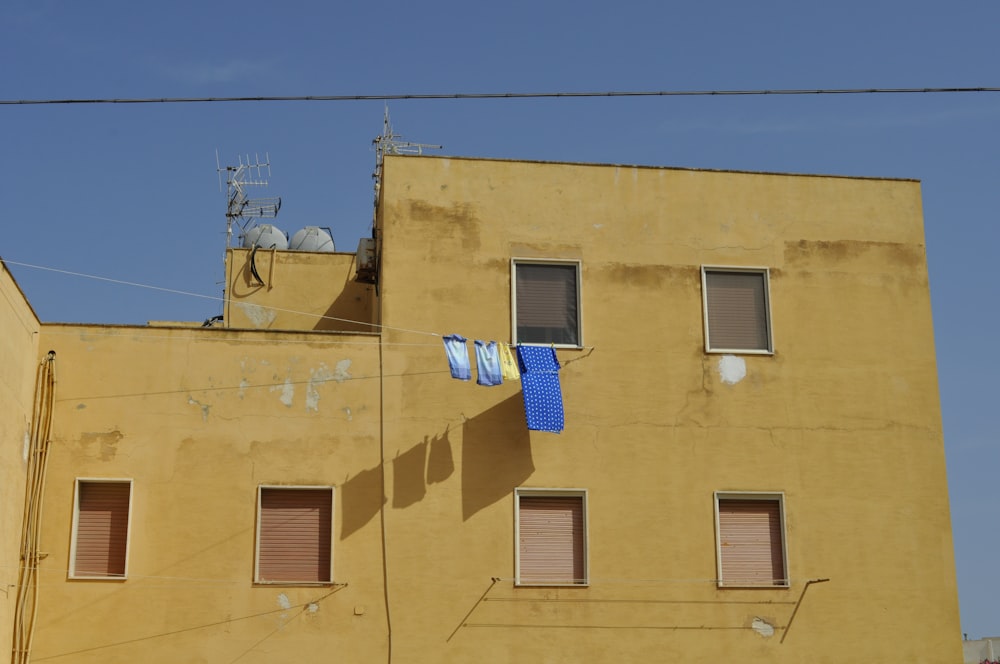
(750, 539)
(737, 310)
(551, 537)
(294, 535)
(100, 529)
(546, 302)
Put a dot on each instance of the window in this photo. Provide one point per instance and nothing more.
(737, 310)
(294, 535)
(546, 302)
(750, 539)
(551, 527)
(99, 549)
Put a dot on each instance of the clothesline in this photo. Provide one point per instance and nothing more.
(537, 367)
(7, 261)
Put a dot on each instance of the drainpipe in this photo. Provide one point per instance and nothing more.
(26, 607)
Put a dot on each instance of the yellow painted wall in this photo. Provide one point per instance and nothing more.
(843, 418)
(198, 419)
(18, 363)
(297, 290)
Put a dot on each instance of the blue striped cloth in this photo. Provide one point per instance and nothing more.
(458, 356)
(487, 363)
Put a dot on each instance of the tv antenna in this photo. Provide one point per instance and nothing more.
(240, 209)
(389, 142)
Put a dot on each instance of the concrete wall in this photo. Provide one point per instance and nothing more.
(981, 650)
(18, 364)
(297, 290)
(843, 418)
(198, 419)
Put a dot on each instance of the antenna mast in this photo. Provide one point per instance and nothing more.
(389, 142)
(240, 209)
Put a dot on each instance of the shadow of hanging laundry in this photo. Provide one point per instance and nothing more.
(440, 462)
(360, 499)
(408, 476)
(496, 455)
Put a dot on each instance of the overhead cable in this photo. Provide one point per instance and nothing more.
(210, 297)
(500, 95)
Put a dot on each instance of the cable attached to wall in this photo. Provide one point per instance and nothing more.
(381, 510)
(26, 607)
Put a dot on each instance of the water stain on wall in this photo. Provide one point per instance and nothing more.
(106, 443)
(837, 252)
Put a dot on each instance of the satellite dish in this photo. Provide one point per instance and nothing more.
(312, 238)
(265, 236)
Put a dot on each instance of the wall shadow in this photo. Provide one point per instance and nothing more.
(428, 462)
(440, 463)
(353, 308)
(408, 485)
(360, 499)
(496, 455)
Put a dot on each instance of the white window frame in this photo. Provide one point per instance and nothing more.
(550, 492)
(333, 514)
(514, 262)
(766, 272)
(76, 525)
(763, 496)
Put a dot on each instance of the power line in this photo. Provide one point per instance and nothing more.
(501, 95)
(209, 297)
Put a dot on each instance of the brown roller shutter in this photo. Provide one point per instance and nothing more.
(737, 310)
(551, 539)
(750, 543)
(547, 310)
(294, 537)
(101, 528)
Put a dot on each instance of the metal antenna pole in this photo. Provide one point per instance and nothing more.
(240, 208)
(389, 142)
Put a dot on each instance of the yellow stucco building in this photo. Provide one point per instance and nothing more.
(737, 457)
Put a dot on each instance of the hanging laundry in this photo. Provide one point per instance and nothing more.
(487, 363)
(543, 405)
(508, 365)
(458, 356)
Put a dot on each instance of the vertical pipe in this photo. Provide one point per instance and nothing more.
(26, 607)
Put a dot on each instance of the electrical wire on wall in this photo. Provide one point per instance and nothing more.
(26, 607)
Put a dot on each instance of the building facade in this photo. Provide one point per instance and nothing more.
(741, 453)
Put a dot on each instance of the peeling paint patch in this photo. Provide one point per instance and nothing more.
(321, 375)
(762, 627)
(259, 316)
(598, 226)
(204, 407)
(27, 445)
(340, 373)
(283, 601)
(287, 393)
(732, 369)
(312, 607)
(347, 411)
(316, 378)
(244, 384)
(312, 397)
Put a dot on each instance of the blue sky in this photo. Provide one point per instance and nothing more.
(130, 192)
